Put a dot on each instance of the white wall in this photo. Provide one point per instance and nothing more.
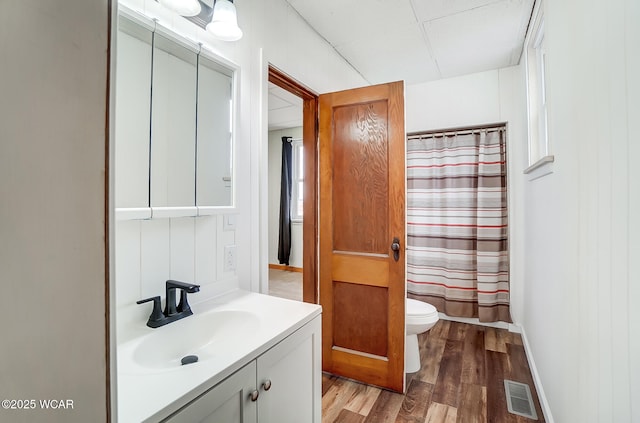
(52, 209)
(573, 233)
(477, 99)
(149, 252)
(53, 169)
(581, 238)
(273, 33)
(448, 103)
(275, 165)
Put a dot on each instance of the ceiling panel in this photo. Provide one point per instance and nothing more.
(389, 54)
(487, 37)
(420, 40)
(346, 21)
(285, 109)
(434, 9)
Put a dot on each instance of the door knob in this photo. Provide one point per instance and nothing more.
(254, 395)
(266, 385)
(395, 246)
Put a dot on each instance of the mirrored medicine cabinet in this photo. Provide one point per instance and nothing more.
(174, 126)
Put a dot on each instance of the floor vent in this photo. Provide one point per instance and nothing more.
(519, 400)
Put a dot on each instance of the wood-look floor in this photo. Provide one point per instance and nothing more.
(461, 381)
(285, 284)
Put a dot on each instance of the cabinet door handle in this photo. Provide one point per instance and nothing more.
(266, 385)
(254, 395)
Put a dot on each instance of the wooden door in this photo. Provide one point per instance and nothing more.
(362, 210)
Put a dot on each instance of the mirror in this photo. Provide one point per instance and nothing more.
(173, 128)
(175, 108)
(214, 169)
(133, 91)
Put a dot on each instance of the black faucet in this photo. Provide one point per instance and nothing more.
(185, 288)
(171, 311)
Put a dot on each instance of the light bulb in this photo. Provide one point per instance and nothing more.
(224, 22)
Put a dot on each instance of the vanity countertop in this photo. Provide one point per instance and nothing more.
(152, 391)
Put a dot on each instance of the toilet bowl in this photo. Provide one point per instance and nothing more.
(420, 317)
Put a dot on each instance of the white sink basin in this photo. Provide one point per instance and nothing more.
(200, 335)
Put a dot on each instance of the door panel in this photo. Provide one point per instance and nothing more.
(360, 151)
(358, 331)
(361, 211)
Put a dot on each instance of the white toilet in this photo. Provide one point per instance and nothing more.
(420, 318)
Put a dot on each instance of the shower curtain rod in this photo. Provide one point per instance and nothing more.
(457, 131)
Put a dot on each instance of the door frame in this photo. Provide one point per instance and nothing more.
(310, 200)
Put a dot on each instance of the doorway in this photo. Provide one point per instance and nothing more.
(308, 181)
(362, 133)
(285, 193)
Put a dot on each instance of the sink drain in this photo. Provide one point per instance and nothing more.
(188, 359)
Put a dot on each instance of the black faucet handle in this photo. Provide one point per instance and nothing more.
(156, 315)
(185, 286)
(183, 306)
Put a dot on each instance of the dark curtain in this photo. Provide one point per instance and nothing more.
(284, 239)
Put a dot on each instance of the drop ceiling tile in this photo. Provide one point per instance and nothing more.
(276, 102)
(289, 117)
(427, 10)
(391, 55)
(457, 36)
(279, 98)
(285, 109)
(345, 21)
(488, 37)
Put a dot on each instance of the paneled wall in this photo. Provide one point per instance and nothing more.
(573, 233)
(273, 33)
(148, 252)
(581, 228)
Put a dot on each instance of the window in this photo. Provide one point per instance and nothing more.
(539, 149)
(297, 189)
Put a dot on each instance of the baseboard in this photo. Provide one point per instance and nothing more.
(544, 404)
(285, 268)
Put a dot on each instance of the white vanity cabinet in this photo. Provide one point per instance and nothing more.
(292, 373)
(282, 385)
(228, 402)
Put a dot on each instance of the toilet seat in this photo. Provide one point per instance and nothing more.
(419, 312)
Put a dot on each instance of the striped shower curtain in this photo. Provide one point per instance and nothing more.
(457, 249)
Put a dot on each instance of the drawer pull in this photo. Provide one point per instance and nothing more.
(254, 395)
(266, 385)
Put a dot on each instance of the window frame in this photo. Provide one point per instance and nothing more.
(297, 178)
(539, 145)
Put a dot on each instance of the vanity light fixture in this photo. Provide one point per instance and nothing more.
(224, 22)
(182, 7)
